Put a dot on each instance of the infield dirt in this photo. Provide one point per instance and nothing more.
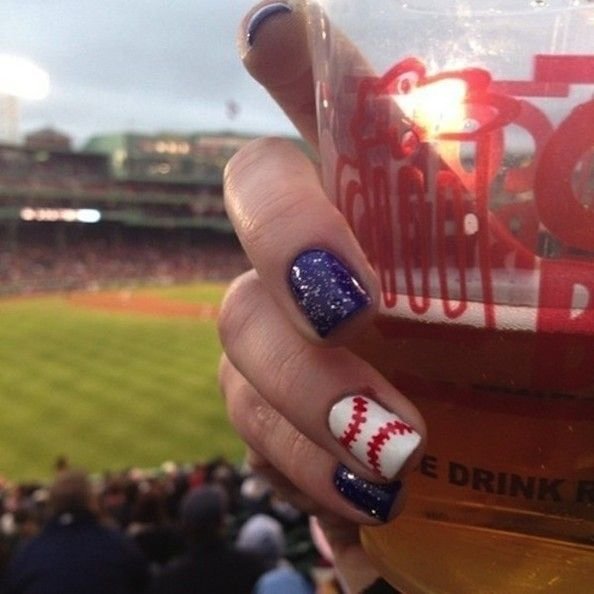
(130, 302)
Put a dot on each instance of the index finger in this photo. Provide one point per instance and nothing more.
(273, 45)
(275, 49)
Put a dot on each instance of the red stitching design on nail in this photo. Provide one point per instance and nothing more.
(376, 443)
(358, 418)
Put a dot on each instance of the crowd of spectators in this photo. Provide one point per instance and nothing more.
(203, 528)
(94, 262)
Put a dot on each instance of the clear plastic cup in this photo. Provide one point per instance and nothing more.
(457, 137)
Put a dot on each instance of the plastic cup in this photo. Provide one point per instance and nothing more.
(457, 138)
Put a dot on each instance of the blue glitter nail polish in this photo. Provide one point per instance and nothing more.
(326, 290)
(261, 15)
(373, 499)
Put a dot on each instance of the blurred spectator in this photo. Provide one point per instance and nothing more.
(221, 472)
(23, 508)
(255, 493)
(264, 536)
(27, 524)
(74, 554)
(150, 528)
(17, 529)
(211, 565)
(62, 464)
(197, 477)
(146, 504)
(116, 500)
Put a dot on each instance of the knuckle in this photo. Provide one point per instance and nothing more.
(228, 376)
(289, 361)
(239, 163)
(237, 310)
(249, 160)
(295, 446)
(277, 209)
(261, 420)
(258, 196)
(251, 416)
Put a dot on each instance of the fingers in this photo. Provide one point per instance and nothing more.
(305, 253)
(303, 250)
(276, 50)
(273, 44)
(323, 417)
(303, 472)
(331, 396)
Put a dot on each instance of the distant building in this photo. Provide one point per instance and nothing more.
(124, 184)
(48, 139)
(193, 158)
(38, 164)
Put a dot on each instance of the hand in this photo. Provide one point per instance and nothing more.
(307, 407)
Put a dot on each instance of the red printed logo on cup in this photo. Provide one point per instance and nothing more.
(473, 197)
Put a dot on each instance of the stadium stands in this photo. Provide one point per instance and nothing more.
(107, 216)
(48, 259)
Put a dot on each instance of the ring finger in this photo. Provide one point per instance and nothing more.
(330, 395)
(308, 475)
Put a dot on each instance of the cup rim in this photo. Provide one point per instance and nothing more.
(494, 12)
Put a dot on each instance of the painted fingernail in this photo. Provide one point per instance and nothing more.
(326, 290)
(373, 499)
(261, 15)
(375, 436)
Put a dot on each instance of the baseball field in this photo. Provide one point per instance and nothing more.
(111, 380)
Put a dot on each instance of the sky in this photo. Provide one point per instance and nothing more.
(137, 65)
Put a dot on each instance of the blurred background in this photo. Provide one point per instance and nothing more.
(116, 121)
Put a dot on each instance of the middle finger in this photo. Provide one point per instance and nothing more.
(302, 247)
(330, 395)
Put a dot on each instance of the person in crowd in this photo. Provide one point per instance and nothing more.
(116, 499)
(18, 528)
(287, 382)
(151, 529)
(62, 464)
(74, 553)
(211, 565)
(264, 536)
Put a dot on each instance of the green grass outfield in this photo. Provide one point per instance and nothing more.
(108, 389)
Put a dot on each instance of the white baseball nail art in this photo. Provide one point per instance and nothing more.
(376, 437)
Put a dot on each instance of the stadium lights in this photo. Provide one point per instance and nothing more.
(67, 215)
(20, 79)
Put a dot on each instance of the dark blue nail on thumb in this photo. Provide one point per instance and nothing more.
(326, 290)
(262, 15)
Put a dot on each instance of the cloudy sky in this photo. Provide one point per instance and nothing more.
(141, 65)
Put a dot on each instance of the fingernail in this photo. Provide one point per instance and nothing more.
(326, 290)
(375, 436)
(374, 500)
(261, 15)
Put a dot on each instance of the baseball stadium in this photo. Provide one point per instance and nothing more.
(114, 259)
(119, 469)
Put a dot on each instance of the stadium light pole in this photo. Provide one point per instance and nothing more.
(20, 79)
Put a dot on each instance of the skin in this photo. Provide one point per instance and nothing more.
(279, 379)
